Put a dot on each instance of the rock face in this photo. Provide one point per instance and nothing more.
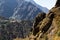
(20, 9)
(46, 27)
(38, 19)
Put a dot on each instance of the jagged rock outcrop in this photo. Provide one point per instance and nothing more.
(38, 19)
(48, 27)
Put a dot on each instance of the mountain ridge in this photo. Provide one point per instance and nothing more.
(9, 8)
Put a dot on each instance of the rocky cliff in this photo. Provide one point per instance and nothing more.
(48, 27)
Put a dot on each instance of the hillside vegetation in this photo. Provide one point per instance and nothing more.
(44, 27)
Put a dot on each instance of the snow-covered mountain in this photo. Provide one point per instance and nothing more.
(20, 9)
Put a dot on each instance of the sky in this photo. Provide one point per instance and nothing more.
(46, 3)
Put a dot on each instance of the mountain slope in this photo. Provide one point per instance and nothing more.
(19, 9)
(26, 11)
(7, 7)
(49, 27)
